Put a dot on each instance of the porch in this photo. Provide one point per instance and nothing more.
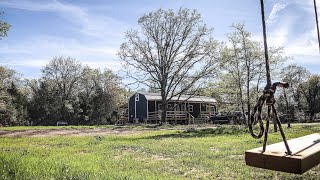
(180, 117)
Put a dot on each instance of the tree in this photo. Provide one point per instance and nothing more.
(4, 28)
(294, 75)
(242, 60)
(12, 98)
(169, 49)
(7, 110)
(309, 94)
(59, 84)
(100, 94)
(71, 92)
(224, 92)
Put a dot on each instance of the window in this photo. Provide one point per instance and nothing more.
(190, 108)
(210, 108)
(137, 97)
(169, 107)
(183, 107)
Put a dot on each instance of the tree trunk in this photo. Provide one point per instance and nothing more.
(311, 116)
(287, 106)
(163, 107)
(274, 122)
(248, 95)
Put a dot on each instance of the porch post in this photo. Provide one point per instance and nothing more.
(147, 111)
(200, 110)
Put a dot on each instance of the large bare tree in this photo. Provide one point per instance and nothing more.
(169, 49)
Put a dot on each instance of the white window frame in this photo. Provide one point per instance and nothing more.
(177, 107)
(210, 108)
(190, 108)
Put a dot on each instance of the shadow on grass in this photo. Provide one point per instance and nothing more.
(208, 132)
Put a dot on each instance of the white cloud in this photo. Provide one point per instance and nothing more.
(38, 51)
(38, 63)
(97, 47)
(87, 22)
(306, 44)
(279, 36)
(296, 32)
(276, 8)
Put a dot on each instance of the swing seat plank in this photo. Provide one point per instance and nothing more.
(305, 155)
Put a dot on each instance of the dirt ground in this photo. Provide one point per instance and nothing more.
(69, 132)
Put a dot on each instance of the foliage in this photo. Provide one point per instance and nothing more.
(163, 154)
(4, 28)
(243, 68)
(13, 99)
(72, 93)
(288, 100)
(308, 93)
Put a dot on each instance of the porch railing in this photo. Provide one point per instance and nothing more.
(181, 116)
(171, 116)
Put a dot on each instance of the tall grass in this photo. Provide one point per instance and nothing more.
(165, 154)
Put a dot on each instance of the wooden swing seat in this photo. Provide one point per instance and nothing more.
(305, 155)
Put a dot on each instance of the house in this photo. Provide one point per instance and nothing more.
(146, 107)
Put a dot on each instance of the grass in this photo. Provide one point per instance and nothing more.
(156, 154)
(23, 128)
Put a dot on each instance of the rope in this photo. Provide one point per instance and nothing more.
(265, 45)
(268, 94)
(268, 98)
(315, 11)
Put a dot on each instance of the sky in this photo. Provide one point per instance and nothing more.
(92, 30)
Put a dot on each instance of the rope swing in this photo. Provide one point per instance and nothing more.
(268, 98)
(306, 149)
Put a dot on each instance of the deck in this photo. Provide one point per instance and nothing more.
(180, 117)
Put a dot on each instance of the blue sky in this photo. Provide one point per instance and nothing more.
(92, 30)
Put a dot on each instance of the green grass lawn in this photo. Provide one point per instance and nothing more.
(22, 128)
(154, 154)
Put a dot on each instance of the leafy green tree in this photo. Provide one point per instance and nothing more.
(42, 106)
(6, 107)
(308, 93)
(294, 75)
(54, 96)
(74, 93)
(100, 94)
(12, 99)
(64, 74)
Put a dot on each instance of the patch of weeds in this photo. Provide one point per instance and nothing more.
(96, 140)
(222, 130)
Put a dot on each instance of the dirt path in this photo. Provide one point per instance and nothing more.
(69, 132)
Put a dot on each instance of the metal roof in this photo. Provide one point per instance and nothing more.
(189, 98)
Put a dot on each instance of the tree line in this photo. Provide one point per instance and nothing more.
(67, 91)
(173, 53)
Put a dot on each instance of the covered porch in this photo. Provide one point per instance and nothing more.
(181, 112)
